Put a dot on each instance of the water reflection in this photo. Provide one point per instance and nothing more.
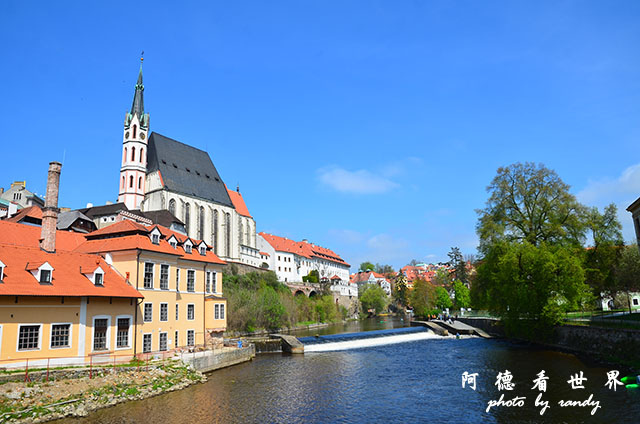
(407, 382)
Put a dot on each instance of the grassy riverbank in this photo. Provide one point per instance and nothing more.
(34, 402)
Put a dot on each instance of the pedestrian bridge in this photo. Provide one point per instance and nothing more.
(304, 289)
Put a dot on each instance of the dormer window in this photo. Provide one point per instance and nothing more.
(42, 272)
(173, 241)
(45, 276)
(1, 271)
(98, 279)
(155, 236)
(187, 246)
(203, 250)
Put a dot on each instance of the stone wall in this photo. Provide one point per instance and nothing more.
(207, 361)
(241, 268)
(611, 344)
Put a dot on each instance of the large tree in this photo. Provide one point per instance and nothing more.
(401, 291)
(529, 202)
(422, 297)
(367, 266)
(443, 300)
(531, 232)
(374, 298)
(461, 295)
(459, 265)
(627, 273)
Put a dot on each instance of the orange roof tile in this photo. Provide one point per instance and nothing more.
(31, 212)
(124, 226)
(22, 254)
(302, 248)
(29, 235)
(238, 203)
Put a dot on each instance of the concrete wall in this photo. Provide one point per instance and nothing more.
(209, 360)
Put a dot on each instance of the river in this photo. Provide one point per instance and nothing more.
(416, 381)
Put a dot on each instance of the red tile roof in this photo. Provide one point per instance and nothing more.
(361, 277)
(124, 226)
(302, 248)
(29, 235)
(32, 212)
(20, 253)
(238, 203)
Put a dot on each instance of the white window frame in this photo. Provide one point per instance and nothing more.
(168, 274)
(70, 324)
(93, 331)
(39, 337)
(2, 265)
(194, 337)
(188, 246)
(144, 274)
(216, 311)
(167, 341)
(160, 312)
(144, 307)
(194, 280)
(194, 311)
(178, 278)
(150, 343)
(207, 281)
(214, 281)
(222, 310)
(129, 335)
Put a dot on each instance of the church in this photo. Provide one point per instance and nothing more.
(159, 173)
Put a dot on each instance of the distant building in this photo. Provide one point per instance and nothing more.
(19, 195)
(292, 260)
(634, 208)
(362, 279)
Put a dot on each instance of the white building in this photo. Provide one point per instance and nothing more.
(291, 260)
(159, 173)
(362, 279)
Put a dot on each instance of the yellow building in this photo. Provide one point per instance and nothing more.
(60, 307)
(180, 279)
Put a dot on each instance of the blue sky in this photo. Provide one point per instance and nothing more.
(371, 128)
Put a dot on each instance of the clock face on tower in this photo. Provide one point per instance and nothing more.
(126, 135)
(142, 136)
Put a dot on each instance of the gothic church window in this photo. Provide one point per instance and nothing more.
(141, 155)
(240, 230)
(123, 181)
(214, 236)
(139, 182)
(187, 216)
(135, 129)
(130, 181)
(133, 154)
(201, 224)
(227, 235)
(172, 206)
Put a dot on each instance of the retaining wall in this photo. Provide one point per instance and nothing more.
(209, 360)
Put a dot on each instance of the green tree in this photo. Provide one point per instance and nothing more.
(384, 269)
(601, 259)
(529, 202)
(461, 295)
(367, 266)
(442, 278)
(272, 311)
(401, 291)
(312, 277)
(627, 272)
(528, 286)
(375, 298)
(443, 300)
(459, 265)
(422, 297)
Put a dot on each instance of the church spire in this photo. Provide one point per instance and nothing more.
(137, 107)
(138, 99)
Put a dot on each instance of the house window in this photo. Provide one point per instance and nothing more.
(635, 301)
(148, 275)
(216, 311)
(203, 250)
(100, 326)
(187, 247)
(146, 343)
(45, 276)
(60, 335)
(191, 280)
(164, 277)
(164, 312)
(173, 244)
(191, 312)
(175, 342)
(222, 311)
(178, 279)
(177, 312)
(191, 337)
(148, 312)
(208, 282)
(98, 277)
(29, 337)
(162, 345)
(155, 238)
(214, 280)
(122, 338)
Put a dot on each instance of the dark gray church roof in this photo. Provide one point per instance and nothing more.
(185, 169)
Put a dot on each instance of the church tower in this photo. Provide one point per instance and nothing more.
(134, 150)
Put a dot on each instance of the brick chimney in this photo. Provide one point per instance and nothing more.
(50, 210)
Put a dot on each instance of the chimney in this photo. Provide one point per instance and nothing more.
(50, 210)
